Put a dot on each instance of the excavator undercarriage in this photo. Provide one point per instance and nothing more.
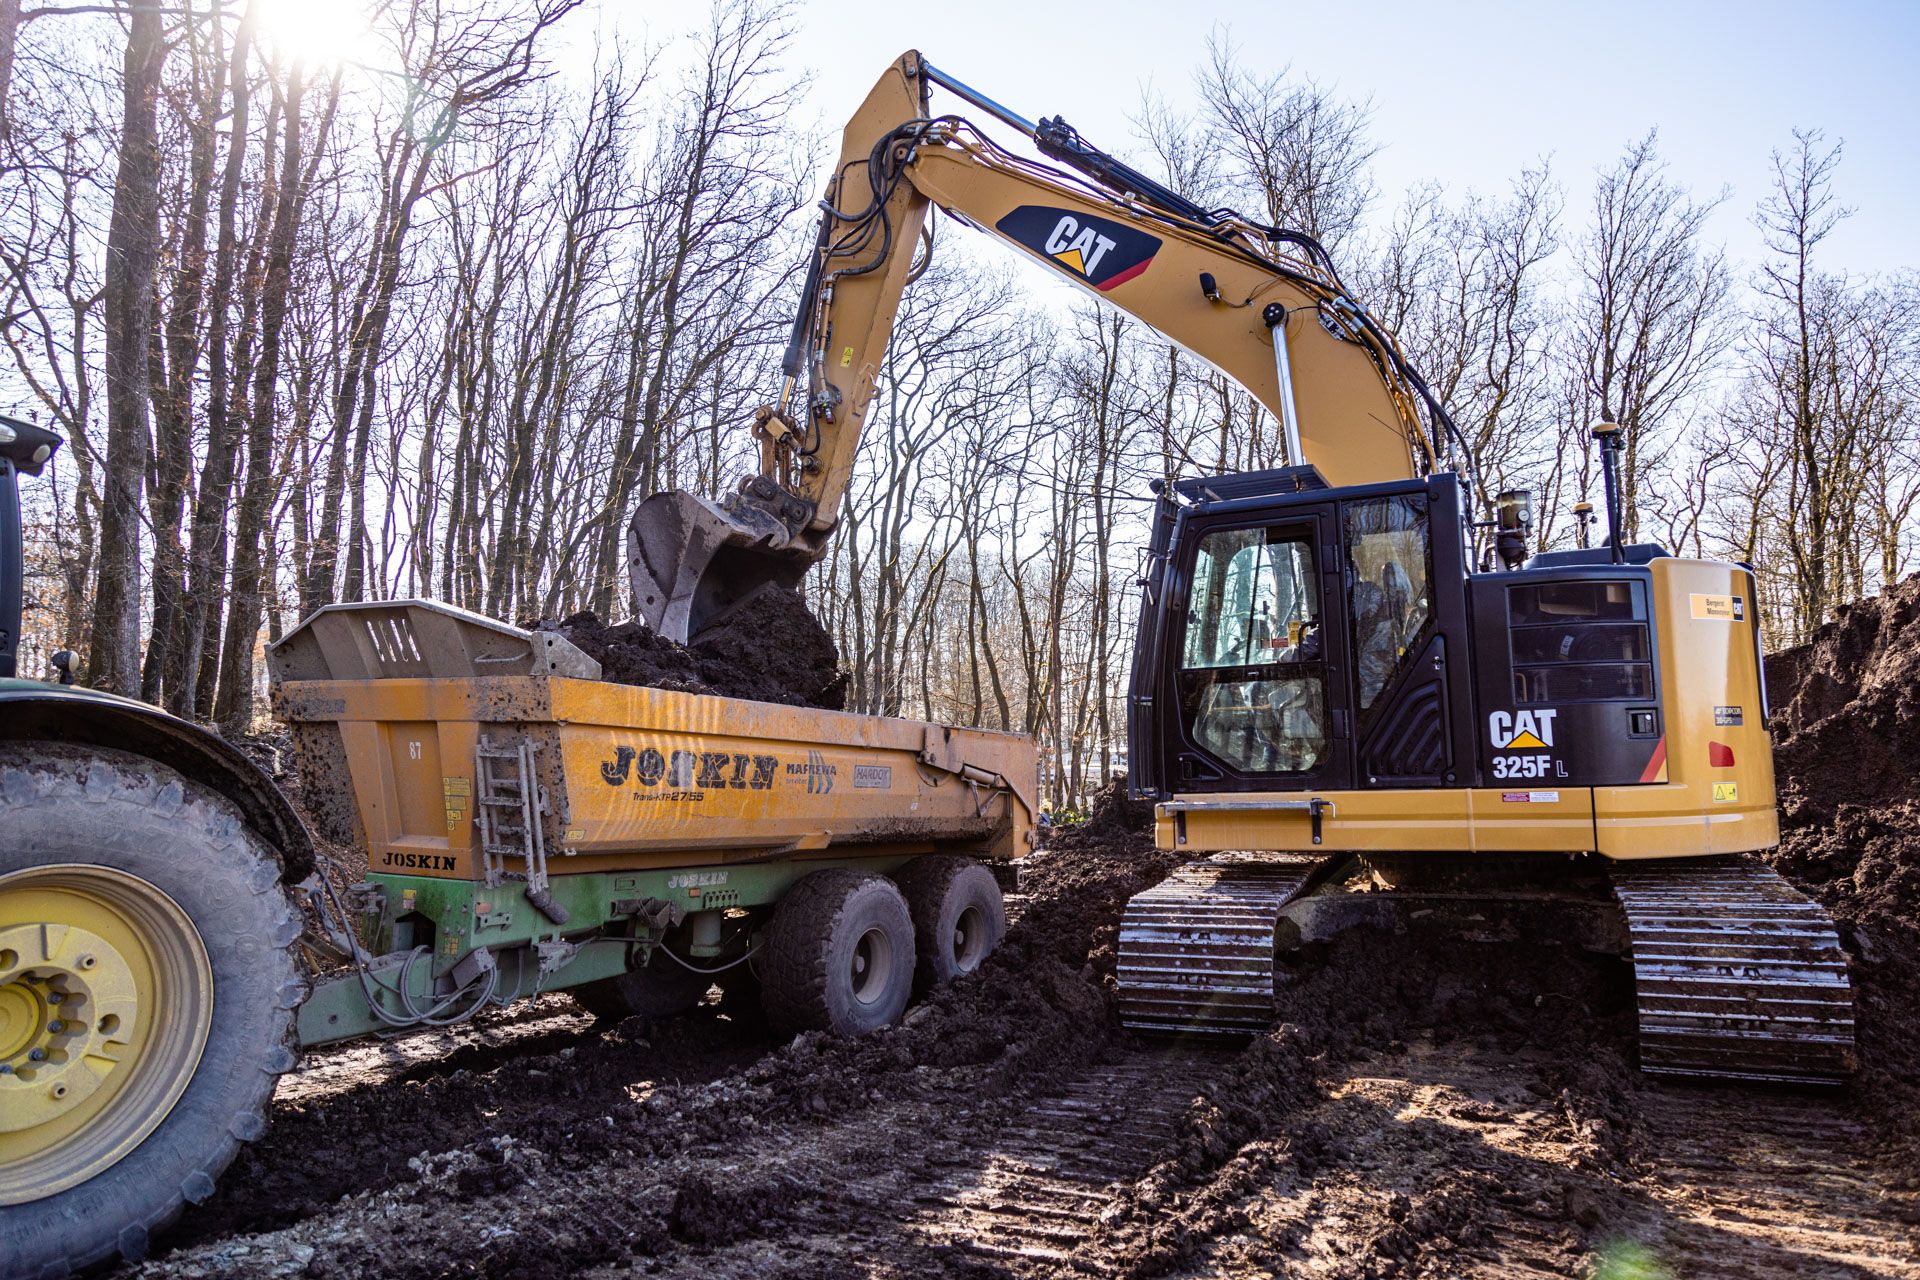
(1737, 976)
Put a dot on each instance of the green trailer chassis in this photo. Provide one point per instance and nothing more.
(409, 952)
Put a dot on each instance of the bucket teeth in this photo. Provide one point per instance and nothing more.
(1196, 950)
(1737, 974)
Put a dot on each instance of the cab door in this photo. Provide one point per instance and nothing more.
(1253, 648)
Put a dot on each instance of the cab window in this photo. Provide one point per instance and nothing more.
(1390, 585)
(1252, 688)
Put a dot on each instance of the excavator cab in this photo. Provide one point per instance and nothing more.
(1295, 638)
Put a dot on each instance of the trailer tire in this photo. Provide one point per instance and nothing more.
(179, 934)
(839, 955)
(658, 989)
(958, 914)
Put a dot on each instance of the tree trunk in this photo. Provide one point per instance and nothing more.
(132, 247)
(233, 707)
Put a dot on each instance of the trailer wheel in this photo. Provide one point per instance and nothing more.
(658, 989)
(958, 914)
(147, 988)
(839, 955)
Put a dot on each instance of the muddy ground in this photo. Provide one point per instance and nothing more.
(1422, 1106)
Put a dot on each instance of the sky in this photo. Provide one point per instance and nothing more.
(1464, 94)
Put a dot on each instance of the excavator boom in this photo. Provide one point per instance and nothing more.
(1261, 305)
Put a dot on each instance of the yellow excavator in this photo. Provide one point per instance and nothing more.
(1342, 679)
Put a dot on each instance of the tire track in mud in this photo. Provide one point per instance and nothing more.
(352, 1118)
(547, 1024)
(1762, 1183)
(1035, 1195)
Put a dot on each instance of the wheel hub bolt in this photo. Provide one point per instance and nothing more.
(37, 1055)
(6, 1068)
(54, 997)
(55, 1027)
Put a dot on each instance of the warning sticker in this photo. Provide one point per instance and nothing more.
(1529, 797)
(1720, 608)
(1726, 792)
(457, 791)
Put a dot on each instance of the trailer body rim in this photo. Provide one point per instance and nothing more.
(106, 1001)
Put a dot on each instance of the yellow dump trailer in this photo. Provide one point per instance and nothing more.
(529, 827)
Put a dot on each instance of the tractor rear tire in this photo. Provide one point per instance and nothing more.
(958, 914)
(839, 955)
(659, 989)
(171, 939)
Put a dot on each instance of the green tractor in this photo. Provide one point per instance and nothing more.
(148, 979)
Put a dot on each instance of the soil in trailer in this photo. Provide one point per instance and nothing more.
(768, 648)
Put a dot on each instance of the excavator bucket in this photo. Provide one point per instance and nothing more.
(691, 561)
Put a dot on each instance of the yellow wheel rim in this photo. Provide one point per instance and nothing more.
(106, 998)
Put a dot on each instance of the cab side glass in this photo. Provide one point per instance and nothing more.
(1391, 585)
(1253, 601)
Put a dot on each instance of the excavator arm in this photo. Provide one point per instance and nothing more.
(1260, 304)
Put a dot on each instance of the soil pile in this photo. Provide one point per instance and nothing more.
(769, 648)
(1847, 764)
(1083, 877)
(1847, 727)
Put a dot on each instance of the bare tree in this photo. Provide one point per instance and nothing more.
(132, 251)
(1652, 315)
(1293, 146)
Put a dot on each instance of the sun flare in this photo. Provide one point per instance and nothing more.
(318, 31)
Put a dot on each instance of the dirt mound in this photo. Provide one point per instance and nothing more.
(1847, 727)
(769, 649)
(1082, 879)
(1847, 764)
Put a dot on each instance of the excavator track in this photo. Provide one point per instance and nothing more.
(1197, 950)
(1738, 975)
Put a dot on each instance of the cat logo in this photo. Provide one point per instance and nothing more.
(1528, 731)
(1099, 251)
(1521, 731)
